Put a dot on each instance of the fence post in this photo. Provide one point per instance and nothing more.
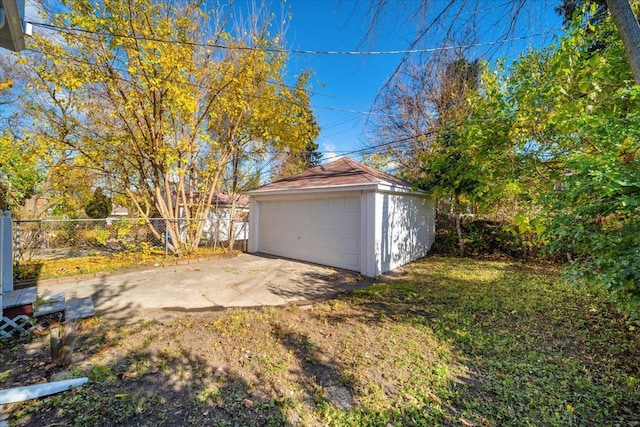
(166, 238)
(6, 260)
(245, 226)
(1, 262)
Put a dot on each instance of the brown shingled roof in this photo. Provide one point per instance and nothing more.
(343, 171)
(224, 199)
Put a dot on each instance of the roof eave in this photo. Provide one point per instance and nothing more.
(314, 189)
(394, 188)
(12, 34)
(373, 186)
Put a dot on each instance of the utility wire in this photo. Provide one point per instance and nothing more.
(263, 171)
(199, 86)
(300, 51)
(384, 144)
(288, 51)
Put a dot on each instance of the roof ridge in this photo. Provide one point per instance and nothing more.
(341, 171)
(366, 169)
(378, 173)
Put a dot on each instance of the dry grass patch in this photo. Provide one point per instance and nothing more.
(93, 263)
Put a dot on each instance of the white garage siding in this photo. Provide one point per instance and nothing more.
(343, 214)
(321, 230)
(405, 229)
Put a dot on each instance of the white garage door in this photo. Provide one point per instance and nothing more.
(325, 231)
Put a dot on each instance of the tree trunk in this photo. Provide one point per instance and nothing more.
(63, 339)
(458, 213)
(629, 30)
(231, 241)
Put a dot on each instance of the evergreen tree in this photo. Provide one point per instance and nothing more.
(99, 206)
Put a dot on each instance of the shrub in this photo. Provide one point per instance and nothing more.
(488, 237)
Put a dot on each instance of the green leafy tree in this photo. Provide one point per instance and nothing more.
(440, 114)
(450, 170)
(574, 114)
(20, 174)
(20, 169)
(595, 216)
(296, 162)
(450, 166)
(306, 155)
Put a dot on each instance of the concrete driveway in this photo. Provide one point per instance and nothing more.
(241, 281)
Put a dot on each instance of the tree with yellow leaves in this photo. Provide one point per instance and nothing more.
(159, 97)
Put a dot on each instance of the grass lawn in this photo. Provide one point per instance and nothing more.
(447, 342)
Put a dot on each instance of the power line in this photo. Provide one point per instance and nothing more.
(199, 86)
(290, 51)
(340, 122)
(261, 171)
(384, 144)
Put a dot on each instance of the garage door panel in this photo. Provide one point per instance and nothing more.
(293, 222)
(352, 204)
(293, 237)
(351, 241)
(347, 223)
(320, 219)
(324, 240)
(333, 240)
(325, 231)
(306, 236)
(332, 258)
(320, 205)
(352, 258)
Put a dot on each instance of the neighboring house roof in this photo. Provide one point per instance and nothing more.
(224, 199)
(119, 211)
(218, 199)
(338, 173)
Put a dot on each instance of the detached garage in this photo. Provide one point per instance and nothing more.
(342, 214)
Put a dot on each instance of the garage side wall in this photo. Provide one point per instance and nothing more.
(405, 229)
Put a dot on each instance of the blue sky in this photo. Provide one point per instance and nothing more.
(345, 86)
